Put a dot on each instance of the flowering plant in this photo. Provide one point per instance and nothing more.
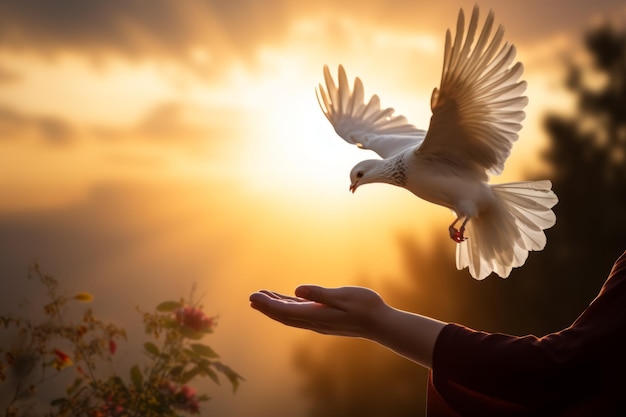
(56, 347)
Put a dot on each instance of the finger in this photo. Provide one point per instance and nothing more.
(268, 301)
(283, 297)
(259, 296)
(263, 300)
(273, 294)
(276, 296)
(303, 310)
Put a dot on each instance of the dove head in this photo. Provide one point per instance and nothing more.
(366, 172)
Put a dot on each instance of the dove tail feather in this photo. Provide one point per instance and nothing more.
(500, 237)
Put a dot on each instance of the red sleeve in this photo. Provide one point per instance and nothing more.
(563, 373)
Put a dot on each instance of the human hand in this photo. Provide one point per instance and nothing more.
(344, 311)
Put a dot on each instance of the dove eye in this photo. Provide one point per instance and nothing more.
(359, 174)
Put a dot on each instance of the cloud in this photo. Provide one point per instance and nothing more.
(195, 32)
(204, 35)
(179, 126)
(171, 123)
(52, 130)
(7, 76)
(136, 27)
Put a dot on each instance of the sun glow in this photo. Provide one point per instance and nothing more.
(290, 140)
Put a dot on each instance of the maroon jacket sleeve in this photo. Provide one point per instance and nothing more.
(568, 373)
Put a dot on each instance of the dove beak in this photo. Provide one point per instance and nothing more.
(353, 187)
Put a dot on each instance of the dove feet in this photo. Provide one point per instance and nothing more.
(457, 235)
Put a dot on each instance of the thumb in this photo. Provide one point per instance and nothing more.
(318, 294)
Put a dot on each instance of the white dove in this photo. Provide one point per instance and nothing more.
(476, 116)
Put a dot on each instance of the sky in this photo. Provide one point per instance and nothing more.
(147, 146)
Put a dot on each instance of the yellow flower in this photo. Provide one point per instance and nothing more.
(84, 297)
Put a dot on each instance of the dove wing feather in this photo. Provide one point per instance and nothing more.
(478, 108)
(366, 125)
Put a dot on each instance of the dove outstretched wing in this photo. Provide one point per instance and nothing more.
(478, 108)
(366, 125)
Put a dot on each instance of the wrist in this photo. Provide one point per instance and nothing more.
(379, 320)
(410, 335)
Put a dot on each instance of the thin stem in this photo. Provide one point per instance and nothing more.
(14, 399)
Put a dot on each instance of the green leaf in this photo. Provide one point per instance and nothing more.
(191, 334)
(117, 382)
(211, 374)
(189, 375)
(151, 348)
(204, 350)
(189, 352)
(136, 377)
(232, 376)
(176, 371)
(167, 306)
(170, 323)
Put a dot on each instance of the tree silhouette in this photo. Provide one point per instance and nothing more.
(587, 155)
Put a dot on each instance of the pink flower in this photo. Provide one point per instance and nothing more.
(110, 408)
(194, 319)
(187, 392)
(181, 398)
(187, 400)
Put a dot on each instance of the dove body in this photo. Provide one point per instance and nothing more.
(428, 179)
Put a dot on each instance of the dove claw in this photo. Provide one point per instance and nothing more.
(457, 235)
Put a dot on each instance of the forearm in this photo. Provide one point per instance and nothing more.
(410, 335)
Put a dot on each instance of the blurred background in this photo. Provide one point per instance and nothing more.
(147, 146)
